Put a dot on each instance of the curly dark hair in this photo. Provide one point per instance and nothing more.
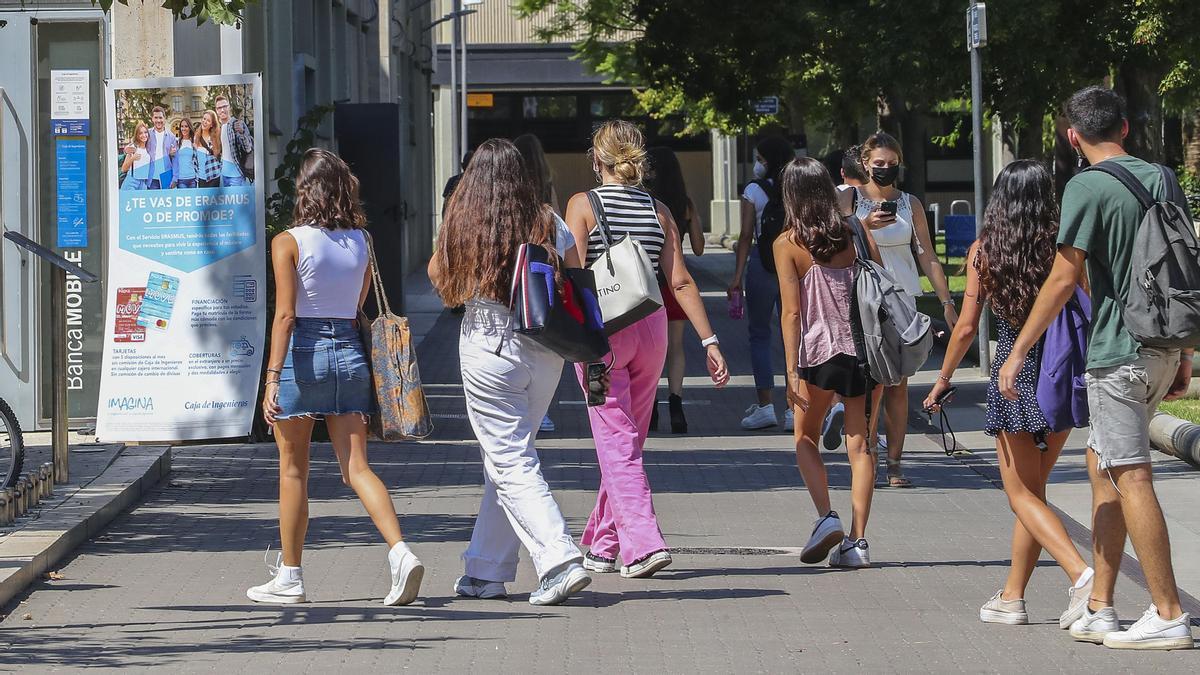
(327, 193)
(813, 218)
(1019, 239)
(494, 210)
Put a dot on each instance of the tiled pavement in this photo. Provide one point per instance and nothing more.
(163, 586)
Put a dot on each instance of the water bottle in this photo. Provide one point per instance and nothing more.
(737, 306)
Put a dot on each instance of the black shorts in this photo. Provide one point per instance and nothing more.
(842, 374)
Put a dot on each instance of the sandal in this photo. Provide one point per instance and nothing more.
(895, 475)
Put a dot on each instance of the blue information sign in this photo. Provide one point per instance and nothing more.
(71, 162)
(71, 127)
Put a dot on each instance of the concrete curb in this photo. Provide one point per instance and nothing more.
(28, 553)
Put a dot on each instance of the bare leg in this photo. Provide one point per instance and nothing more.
(292, 436)
(349, 436)
(1148, 532)
(1108, 535)
(808, 458)
(862, 465)
(895, 402)
(675, 357)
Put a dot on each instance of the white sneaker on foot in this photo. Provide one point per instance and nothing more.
(789, 420)
(556, 587)
(647, 566)
(826, 534)
(759, 417)
(999, 610)
(1154, 632)
(470, 587)
(547, 425)
(599, 564)
(407, 573)
(831, 432)
(1077, 600)
(1093, 627)
(851, 554)
(287, 588)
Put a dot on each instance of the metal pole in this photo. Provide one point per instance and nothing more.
(727, 171)
(455, 151)
(58, 372)
(985, 344)
(464, 141)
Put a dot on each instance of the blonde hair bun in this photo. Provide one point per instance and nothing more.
(620, 146)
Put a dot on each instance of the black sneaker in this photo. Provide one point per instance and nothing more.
(599, 564)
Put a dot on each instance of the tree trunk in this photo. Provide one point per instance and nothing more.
(1173, 141)
(1139, 85)
(1029, 137)
(1066, 162)
(1191, 141)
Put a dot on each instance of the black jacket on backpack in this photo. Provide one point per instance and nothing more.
(771, 223)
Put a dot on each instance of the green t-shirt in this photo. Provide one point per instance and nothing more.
(1101, 218)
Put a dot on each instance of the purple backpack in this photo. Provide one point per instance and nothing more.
(1061, 392)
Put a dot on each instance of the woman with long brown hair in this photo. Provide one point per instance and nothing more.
(136, 166)
(508, 379)
(207, 159)
(1006, 269)
(318, 368)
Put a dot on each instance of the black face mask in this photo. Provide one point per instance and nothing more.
(885, 175)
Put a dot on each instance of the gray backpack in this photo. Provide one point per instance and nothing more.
(1162, 305)
(897, 338)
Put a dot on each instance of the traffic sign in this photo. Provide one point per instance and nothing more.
(767, 105)
(976, 26)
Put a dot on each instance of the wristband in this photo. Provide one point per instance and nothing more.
(943, 378)
(947, 303)
(710, 340)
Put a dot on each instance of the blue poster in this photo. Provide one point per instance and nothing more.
(71, 162)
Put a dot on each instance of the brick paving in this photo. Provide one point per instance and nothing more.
(163, 586)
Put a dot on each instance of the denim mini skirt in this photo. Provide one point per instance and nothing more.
(326, 371)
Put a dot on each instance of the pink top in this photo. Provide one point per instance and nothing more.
(825, 314)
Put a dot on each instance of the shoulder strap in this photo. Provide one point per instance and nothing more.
(1127, 179)
(601, 221)
(381, 301)
(1172, 190)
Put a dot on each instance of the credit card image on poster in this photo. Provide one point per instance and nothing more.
(129, 303)
(159, 301)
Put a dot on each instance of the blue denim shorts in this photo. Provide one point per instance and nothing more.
(326, 371)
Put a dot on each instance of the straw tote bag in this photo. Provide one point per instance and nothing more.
(625, 279)
(402, 413)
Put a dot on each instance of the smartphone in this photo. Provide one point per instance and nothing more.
(596, 393)
(888, 207)
(943, 399)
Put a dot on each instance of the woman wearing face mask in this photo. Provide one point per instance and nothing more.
(897, 221)
(762, 195)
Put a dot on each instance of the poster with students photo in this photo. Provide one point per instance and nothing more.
(185, 319)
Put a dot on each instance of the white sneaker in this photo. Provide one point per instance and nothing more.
(287, 588)
(470, 587)
(826, 534)
(1153, 632)
(789, 420)
(407, 573)
(831, 432)
(547, 425)
(759, 417)
(555, 588)
(1077, 600)
(599, 564)
(999, 610)
(851, 554)
(1093, 627)
(647, 566)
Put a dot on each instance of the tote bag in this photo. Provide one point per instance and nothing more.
(563, 317)
(625, 280)
(402, 413)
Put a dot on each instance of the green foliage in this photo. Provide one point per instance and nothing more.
(136, 105)
(224, 12)
(281, 203)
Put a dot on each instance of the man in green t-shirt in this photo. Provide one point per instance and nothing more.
(1125, 381)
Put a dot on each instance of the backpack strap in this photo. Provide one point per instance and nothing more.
(1172, 190)
(1127, 179)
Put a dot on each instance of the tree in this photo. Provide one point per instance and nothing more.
(225, 12)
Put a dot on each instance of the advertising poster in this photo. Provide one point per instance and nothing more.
(185, 319)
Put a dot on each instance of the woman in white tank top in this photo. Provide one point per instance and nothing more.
(318, 368)
(898, 232)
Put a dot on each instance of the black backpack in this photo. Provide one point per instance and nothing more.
(771, 225)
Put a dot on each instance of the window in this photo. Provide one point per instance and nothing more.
(176, 104)
(549, 107)
(607, 106)
(197, 103)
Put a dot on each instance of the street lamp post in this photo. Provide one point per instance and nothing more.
(976, 40)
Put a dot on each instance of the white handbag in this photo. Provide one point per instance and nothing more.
(625, 279)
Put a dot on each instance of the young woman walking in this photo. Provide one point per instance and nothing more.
(897, 222)
(815, 260)
(318, 369)
(623, 520)
(760, 284)
(1005, 270)
(508, 379)
(664, 182)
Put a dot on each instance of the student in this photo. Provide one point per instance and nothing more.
(537, 169)
(898, 236)
(207, 159)
(318, 369)
(508, 379)
(1125, 380)
(136, 165)
(815, 260)
(623, 521)
(1005, 269)
(162, 146)
(184, 164)
(761, 286)
(237, 142)
(664, 181)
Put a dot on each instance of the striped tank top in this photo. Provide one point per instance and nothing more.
(630, 212)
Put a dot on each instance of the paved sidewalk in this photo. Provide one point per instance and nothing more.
(163, 587)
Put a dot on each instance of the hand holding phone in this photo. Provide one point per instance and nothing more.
(597, 384)
(888, 207)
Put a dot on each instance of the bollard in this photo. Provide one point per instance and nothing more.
(35, 488)
(6, 497)
(19, 498)
(47, 480)
(1176, 437)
